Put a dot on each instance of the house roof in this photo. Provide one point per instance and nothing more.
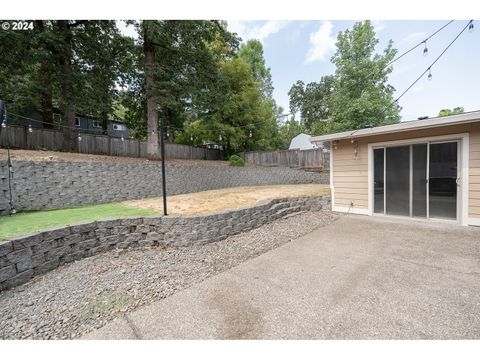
(464, 118)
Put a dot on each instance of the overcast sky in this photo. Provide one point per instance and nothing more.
(301, 50)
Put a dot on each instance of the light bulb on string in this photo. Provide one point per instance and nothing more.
(191, 138)
(250, 134)
(79, 137)
(425, 49)
(470, 27)
(122, 138)
(429, 77)
(220, 137)
(4, 124)
(30, 130)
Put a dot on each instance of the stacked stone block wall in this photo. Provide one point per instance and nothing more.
(25, 257)
(38, 185)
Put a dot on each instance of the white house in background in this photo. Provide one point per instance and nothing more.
(302, 142)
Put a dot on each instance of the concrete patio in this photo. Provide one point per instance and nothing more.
(357, 278)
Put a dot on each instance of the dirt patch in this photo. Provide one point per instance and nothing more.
(223, 199)
(39, 155)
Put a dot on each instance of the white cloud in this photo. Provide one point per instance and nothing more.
(412, 38)
(259, 32)
(322, 43)
(378, 25)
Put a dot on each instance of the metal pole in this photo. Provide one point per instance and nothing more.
(9, 164)
(164, 184)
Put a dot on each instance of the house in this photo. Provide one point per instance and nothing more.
(84, 123)
(423, 169)
(302, 142)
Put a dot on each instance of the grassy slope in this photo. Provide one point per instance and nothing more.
(28, 222)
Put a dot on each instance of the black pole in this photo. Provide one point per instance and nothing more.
(9, 161)
(164, 184)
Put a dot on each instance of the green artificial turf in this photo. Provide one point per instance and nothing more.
(29, 222)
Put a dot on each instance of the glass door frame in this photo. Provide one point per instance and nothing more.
(462, 141)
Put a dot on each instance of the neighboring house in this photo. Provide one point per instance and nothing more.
(421, 169)
(303, 142)
(88, 124)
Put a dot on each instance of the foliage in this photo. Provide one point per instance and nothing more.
(252, 53)
(362, 95)
(288, 131)
(313, 101)
(448, 112)
(236, 160)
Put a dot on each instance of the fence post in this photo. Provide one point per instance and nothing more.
(25, 136)
(109, 145)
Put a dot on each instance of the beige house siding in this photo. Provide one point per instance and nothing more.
(350, 173)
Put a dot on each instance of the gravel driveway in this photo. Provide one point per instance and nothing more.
(81, 296)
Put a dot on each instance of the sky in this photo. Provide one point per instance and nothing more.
(301, 50)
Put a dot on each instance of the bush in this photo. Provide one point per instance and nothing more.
(236, 160)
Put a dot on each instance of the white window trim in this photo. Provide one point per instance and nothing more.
(464, 175)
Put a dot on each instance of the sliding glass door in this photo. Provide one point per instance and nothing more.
(417, 180)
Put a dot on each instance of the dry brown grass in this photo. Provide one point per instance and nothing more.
(223, 199)
(42, 155)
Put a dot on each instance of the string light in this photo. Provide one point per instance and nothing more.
(425, 49)
(4, 123)
(30, 130)
(122, 138)
(153, 132)
(429, 74)
(470, 27)
(191, 137)
(13, 211)
(220, 137)
(79, 137)
(250, 134)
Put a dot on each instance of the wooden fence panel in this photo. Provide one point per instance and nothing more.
(18, 137)
(13, 136)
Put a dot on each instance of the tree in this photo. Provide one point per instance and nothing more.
(313, 101)
(178, 74)
(362, 95)
(288, 130)
(252, 53)
(448, 112)
(71, 65)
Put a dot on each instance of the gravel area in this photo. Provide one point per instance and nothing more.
(84, 295)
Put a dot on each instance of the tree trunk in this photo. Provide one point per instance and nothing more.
(45, 79)
(70, 141)
(152, 112)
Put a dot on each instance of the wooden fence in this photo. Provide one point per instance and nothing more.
(314, 159)
(18, 137)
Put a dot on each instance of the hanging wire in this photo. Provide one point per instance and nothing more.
(420, 43)
(433, 63)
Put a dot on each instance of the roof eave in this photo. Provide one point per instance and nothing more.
(394, 128)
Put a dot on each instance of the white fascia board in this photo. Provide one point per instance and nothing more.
(464, 118)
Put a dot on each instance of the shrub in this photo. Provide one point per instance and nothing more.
(236, 160)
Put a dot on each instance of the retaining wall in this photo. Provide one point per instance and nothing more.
(27, 256)
(38, 185)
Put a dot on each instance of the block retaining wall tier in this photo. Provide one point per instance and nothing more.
(24, 257)
(38, 185)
